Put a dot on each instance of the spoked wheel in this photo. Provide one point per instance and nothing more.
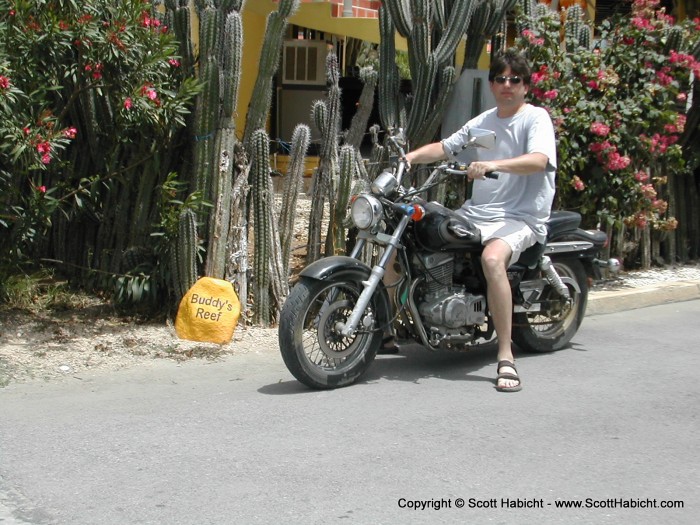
(314, 350)
(557, 322)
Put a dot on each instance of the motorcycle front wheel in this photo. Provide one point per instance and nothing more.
(555, 324)
(314, 350)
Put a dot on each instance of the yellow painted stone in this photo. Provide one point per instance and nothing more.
(208, 312)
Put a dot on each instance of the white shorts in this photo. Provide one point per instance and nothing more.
(518, 235)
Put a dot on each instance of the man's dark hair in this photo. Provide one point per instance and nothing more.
(517, 62)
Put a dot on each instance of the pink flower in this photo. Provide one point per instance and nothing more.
(70, 133)
(617, 162)
(648, 191)
(4, 82)
(537, 77)
(577, 183)
(128, 103)
(551, 94)
(681, 98)
(41, 189)
(151, 94)
(641, 176)
(600, 129)
(174, 62)
(46, 158)
(592, 84)
(659, 205)
(44, 147)
(663, 77)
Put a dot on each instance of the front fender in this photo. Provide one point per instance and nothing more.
(335, 265)
(344, 267)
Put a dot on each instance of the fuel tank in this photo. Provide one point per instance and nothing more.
(442, 230)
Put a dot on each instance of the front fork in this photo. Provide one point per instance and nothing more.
(393, 243)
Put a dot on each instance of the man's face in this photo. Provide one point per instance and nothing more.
(509, 94)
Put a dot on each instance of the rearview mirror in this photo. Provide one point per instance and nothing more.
(481, 138)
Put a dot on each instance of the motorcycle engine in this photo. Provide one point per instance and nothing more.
(443, 304)
(453, 309)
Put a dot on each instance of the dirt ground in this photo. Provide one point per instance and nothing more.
(52, 345)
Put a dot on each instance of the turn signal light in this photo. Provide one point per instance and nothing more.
(418, 212)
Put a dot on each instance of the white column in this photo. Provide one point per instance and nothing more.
(347, 8)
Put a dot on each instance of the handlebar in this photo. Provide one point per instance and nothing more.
(455, 168)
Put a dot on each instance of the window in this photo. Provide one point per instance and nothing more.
(304, 62)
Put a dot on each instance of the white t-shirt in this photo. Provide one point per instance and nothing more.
(526, 198)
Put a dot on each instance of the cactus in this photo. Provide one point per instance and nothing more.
(261, 184)
(184, 253)
(431, 48)
(326, 115)
(369, 78)
(292, 186)
(222, 179)
(348, 166)
(572, 26)
(269, 62)
(528, 11)
(389, 96)
(486, 21)
(675, 40)
(585, 39)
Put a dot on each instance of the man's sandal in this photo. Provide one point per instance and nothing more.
(508, 375)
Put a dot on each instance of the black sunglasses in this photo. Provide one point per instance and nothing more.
(501, 79)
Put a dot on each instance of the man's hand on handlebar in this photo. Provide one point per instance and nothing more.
(478, 170)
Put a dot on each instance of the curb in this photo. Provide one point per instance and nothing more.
(629, 299)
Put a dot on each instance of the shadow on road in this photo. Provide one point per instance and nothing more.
(413, 364)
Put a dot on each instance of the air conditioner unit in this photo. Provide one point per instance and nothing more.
(303, 62)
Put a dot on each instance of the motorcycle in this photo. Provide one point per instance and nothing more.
(336, 315)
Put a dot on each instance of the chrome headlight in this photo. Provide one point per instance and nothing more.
(366, 211)
(385, 184)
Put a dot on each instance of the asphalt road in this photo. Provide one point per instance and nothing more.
(611, 423)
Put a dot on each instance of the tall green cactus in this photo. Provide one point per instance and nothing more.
(487, 20)
(348, 171)
(261, 184)
(572, 26)
(184, 253)
(433, 30)
(369, 77)
(675, 40)
(326, 116)
(292, 185)
(259, 107)
(222, 178)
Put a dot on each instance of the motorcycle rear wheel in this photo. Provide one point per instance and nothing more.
(312, 347)
(554, 326)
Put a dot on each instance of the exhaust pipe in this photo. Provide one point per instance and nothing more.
(612, 265)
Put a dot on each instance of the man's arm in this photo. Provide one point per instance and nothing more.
(522, 165)
(427, 154)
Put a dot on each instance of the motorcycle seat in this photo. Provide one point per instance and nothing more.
(561, 221)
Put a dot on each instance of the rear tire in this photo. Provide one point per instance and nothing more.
(555, 325)
(313, 349)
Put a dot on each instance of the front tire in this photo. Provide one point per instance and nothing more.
(312, 347)
(553, 327)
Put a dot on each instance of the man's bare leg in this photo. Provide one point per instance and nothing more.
(494, 261)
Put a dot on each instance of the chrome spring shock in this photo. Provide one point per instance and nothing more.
(553, 277)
